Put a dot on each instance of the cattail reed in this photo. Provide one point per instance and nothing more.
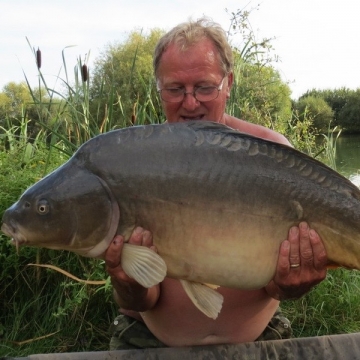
(84, 73)
(38, 58)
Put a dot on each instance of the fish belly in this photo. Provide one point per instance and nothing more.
(231, 249)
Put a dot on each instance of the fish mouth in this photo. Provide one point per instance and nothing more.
(17, 239)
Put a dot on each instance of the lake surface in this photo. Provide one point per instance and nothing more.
(348, 157)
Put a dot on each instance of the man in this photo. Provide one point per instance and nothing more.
(193, 69)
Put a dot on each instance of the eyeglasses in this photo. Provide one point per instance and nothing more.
(200, 93)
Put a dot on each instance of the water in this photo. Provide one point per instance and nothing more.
(348, 157)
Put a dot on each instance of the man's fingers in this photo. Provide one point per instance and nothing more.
(320, 257)
(147, 238)
(113, 252)
(136, 237)
(283, 265)
(294, 240)
(306, 251)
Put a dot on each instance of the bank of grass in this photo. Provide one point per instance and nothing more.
(43, 311)
(333, 307)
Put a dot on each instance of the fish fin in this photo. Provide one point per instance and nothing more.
(211, 286)
(207, 300)
(143, 265)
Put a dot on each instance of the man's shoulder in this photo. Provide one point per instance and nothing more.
(255, 130)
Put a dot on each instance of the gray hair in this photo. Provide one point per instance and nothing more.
(189, 33)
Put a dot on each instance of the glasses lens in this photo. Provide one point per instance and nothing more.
(206, 93)
(202, 93)
(172, 95)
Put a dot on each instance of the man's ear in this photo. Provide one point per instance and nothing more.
(230, 84)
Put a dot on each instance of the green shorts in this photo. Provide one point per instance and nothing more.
(128, 333)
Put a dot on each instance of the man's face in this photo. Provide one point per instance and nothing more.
(189, 69)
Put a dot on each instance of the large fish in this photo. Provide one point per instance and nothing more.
(218, 203)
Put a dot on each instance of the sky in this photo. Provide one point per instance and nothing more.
(317, 41)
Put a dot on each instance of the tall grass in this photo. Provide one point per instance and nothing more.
(333, 307)
(330, 146)
(68, 113)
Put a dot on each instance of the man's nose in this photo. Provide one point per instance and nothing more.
(190, 102)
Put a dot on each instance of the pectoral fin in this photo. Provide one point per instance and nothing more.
(143, 265)
(205, 298)
(211, 286)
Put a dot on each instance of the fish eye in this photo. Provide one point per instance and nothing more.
(43, 207)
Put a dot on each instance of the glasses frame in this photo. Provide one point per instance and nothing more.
(193, 93)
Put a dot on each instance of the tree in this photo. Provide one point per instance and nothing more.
(13, 98)
(17, 106)
(125, 70)
(21, 106)
(335, 98)
(259, 95)
(317, 109)
(349, 116)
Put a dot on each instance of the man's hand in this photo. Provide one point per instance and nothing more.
(139, 237)
(301, 264)
(127, 292)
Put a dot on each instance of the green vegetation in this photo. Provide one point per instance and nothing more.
(125, 69)
(321, 113)
(38, 303)
(331, 308)
(42, 310)
(344, 104)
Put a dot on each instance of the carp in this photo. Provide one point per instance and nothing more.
(217, 201)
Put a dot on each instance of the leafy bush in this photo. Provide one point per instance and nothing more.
(318, 111)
